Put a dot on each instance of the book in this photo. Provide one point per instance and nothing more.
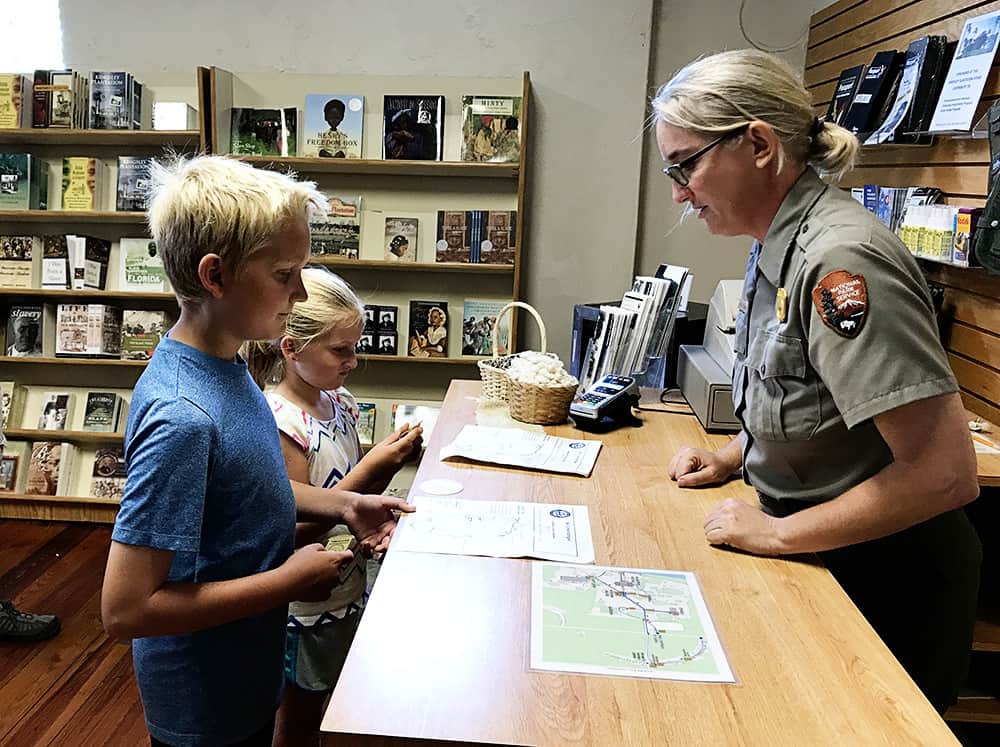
(385, 343)
(40, 98)
(50, 471)
(97, 255)
(847, 85)
(413, 128)
(82, 183)
(480, 236)
(333, 125)
(424, 415)
(366, 423)
(14, 466)
(104, 412)
(454, 236)
(12, 397)
(133, 182)
(338, 233)
(963, 87)
(478, 317)
(491, 128)
(863, 114)
(141, 266)
(16, 253)
(24, 331)
(23, 182)
(428, 330)
(366, 343)
(263, 132)
(142, 331)
(56, 411)
(108, 474)
(500, 245)
(55, 262)
(15, 93)
(88, 330)
(111, 100)
(370, 318)
(386, 318)
(62, 98)
(401, 239)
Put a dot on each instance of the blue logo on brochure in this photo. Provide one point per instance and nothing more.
(577, 445)
(559, 513)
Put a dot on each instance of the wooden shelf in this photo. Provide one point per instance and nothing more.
(134, 138)
(58, 293)
(409, 359)
(82, 437)
(986, 636)
(72, 361)
(71, 216)
(984, 710)
(384, 167)
(60, 499)
(58, 508)
(381, 264)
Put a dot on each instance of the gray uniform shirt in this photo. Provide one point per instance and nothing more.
(857, 337)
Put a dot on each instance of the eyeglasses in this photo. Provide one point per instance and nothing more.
(680, 172)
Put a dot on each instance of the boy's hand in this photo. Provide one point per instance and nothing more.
(313, 571)
(372, 519)
(399, 447)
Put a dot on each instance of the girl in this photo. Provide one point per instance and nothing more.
(317, 419)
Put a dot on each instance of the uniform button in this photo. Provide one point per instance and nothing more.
(805, 227)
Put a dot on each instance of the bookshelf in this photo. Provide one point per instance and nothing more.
(77, 376)
(848, 33)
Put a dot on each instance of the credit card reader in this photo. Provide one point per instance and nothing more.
(607, 404)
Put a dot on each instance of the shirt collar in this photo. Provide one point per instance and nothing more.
(788, 222)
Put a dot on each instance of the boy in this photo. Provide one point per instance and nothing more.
(201, 566)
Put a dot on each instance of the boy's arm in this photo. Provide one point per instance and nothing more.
(137, 601)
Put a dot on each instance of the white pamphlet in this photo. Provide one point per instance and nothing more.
(517, 448)
(499, 529)
(970, 66)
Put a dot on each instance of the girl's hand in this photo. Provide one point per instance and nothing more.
(401, 446)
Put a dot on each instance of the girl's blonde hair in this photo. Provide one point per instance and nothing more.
(331, 304)
(724, 91)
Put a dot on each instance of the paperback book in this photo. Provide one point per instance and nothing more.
(111, 100)
(142, 331)
(55, 412)
(479, 236)
(413, 128)
(105, 412)
(12, 399)
(14, 466)
(428, 330)
(366, 423)
(478, 319)
(263, 132)
(414, 415)
(385, 343)
(108, 475)
(847, 86)
(333, 125)
(55, 262)
(15, 93)
(491, 129)
(50, 470)
(24, 331)
(15, 261)
(141, 266)
(338, 233)
(83, 181)
(970, 67)
(23, 182)
(88, 330)
(133, 182)
(401, 239)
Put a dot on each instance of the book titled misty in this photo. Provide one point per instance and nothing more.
(333, 125)
(414, 128)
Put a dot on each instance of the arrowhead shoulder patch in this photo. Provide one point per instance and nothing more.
(841, 300)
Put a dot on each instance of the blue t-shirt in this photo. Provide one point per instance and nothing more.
(206, 480)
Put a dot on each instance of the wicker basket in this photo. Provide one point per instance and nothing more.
(527, 402)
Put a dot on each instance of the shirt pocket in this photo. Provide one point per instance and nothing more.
(783, 402)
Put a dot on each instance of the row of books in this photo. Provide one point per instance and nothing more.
(469, 236)
(413, 128)
(401, 414)
(68, 261)
(71, 99)
(934, 86)
(428, 334)
(50, 468)
(84, 331)
(630, 335)
(104, 412)
(87, 183)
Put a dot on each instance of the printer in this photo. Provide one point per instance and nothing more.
(705, 372)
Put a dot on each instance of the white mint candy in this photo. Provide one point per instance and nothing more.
(440, 486)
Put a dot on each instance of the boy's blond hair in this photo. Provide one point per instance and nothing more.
(331, 304)
(219, 205)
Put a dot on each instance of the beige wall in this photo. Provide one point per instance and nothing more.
(683, 31)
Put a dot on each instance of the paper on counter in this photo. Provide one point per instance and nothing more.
(518, 448)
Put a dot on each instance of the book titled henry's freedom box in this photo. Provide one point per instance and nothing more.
(491, 129)
(414, 128)
(333, 126)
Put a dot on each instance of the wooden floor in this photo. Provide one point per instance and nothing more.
(76, 689)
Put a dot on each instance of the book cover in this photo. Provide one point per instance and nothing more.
(428, 330)
(478, 317)
(263, 132)
(108, 475)
(847, 85)
(110, 101)
(79, 183)
(56, 411)
(97, 255)
(401, 239)
(71, 329)
(386, 318)
(14, 466)
(23, 182)
(12, 398)
(491, 129)
(141, 266)
(939, 55)
(133, 182)
(50, 468)
(61, 99)
(338, 233)
(24, 331)
(55, 262)
(863, 114)
(333, 125)
(967, 74)
(366, 423)
(917, 84)
(142, 331)
(500, 244)
(414, 415)
(40, 98)
(14, 90)
(454, 235)
(92, 330)
(413, 128)
(102, 412)
(366, 343)
(385, 343)
(15, 261)
(370, 318)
